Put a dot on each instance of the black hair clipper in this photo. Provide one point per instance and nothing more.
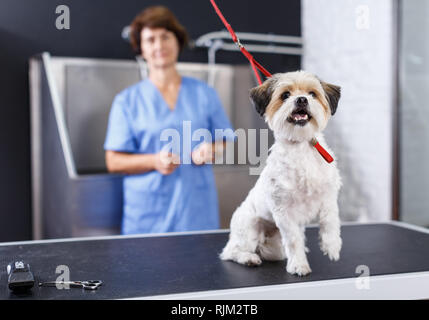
(20, 277)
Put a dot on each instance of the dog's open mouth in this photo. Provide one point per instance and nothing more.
(299, 116)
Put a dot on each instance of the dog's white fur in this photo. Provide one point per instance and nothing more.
(296, 186)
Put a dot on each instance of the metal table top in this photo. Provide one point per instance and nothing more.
(186, 265)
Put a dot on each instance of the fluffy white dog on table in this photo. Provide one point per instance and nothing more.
(297, 185)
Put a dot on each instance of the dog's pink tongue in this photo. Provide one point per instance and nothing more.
(300, 116)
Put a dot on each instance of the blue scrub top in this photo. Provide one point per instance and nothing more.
(186, 199)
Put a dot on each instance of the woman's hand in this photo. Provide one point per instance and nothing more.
(166, 162)
(204, 153)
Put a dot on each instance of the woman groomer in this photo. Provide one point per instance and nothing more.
(163, 191)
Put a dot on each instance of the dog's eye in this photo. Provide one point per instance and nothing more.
(313, 94)
(285, 95)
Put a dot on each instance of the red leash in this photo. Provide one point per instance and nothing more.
(255, 66)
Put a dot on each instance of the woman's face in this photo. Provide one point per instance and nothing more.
(159, 47)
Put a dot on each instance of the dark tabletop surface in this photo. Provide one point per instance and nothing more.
(147, 266)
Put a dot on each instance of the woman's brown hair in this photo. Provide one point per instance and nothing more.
(156, 17)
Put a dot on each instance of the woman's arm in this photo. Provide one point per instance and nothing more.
(129, 163)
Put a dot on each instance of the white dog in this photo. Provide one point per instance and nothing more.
(297, 185)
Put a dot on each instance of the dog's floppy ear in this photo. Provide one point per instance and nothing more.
(261, 95)
(333, 94)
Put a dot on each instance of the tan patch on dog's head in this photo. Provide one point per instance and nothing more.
(261, 95)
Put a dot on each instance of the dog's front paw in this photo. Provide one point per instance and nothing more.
(331, 246)
(250, 259)
(300, 268)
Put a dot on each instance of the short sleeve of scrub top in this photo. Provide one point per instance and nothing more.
(119, 134)
(140, 121)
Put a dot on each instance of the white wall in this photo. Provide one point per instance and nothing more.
(349, 43)
(414, 112)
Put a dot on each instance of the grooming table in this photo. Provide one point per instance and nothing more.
(186, 266)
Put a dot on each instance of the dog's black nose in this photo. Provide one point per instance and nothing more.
(301, 101)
